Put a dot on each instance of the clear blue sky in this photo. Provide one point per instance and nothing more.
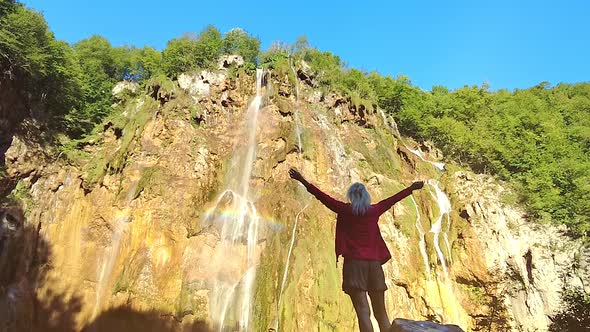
(509, 44)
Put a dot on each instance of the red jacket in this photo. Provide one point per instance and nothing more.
(359, 237)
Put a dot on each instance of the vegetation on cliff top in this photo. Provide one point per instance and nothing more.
(537, 139)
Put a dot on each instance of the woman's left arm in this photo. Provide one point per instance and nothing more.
(387, 203)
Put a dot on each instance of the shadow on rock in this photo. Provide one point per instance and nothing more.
(128, 319)
(24, 256)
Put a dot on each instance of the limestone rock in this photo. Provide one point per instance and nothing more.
(405, 325)
(305, 74)
(200, 84)
(124, 85)
(315, 97)
(23, 158)
(227, 61)
(534, 262)
(143, 236)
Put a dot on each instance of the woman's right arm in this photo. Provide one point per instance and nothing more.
(331, 203)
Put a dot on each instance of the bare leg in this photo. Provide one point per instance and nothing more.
(378, 303)
(361, 306)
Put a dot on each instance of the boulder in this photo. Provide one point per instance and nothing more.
(406, 325)
(305, 74)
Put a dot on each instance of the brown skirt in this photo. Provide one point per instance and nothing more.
(362, 275)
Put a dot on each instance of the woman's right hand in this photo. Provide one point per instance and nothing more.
(294, 174)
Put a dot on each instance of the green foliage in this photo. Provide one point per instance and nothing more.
(6, 6)
(277, 58)
(525, 137)
(42, 67)
(150, 177)
(103, 66)
(139, 64)
(237, 41)
(537, 139)
(575, 314)
(178, 56)
(21, 196)
(112, 161)
(328, 66)
(192, 52)
(160, 85)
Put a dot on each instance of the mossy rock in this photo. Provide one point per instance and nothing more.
(131, 126)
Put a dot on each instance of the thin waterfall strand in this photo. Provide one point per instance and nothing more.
(231, 297)
(108, 262)
(299, 150)
(422, 242)
(296, 113)
(444, 206)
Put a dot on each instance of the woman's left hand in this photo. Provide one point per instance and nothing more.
(294, 174)
(417, 185)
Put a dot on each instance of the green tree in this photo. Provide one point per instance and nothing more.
(237, 41)
(575, 313)
(208, 47)
(102, 66)
(178, 57)
(192, 52)
(41, 69)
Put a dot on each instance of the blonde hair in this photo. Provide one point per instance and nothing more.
(359, 198)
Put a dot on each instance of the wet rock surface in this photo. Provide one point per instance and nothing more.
(126, 232)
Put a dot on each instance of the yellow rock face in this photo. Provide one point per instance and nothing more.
(135, 250)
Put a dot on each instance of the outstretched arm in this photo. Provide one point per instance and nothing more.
(387, 203)
(331, 203)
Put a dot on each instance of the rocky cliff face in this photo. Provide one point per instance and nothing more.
(125, 229)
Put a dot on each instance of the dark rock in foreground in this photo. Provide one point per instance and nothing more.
(406, 325)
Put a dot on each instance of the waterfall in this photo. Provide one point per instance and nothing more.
(439, 165)
(444, 206)
(108, 261)
(275, 324)
(391, 123)
(337, 150)
(422, 242)
(441, 198)
(296, 113)
(236, 254)
(446, 236)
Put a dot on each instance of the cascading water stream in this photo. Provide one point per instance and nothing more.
(441, 198)
(286, 271)
(444, 206)
(422, 242)
(450, 304)
(296, 113)
(108, 262)
(337, 150)
(391, 123)
(236, 255)
(446, 238)
(275, 324)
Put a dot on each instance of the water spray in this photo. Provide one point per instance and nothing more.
(231, 297)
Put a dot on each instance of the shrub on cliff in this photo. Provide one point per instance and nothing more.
(575, 314)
